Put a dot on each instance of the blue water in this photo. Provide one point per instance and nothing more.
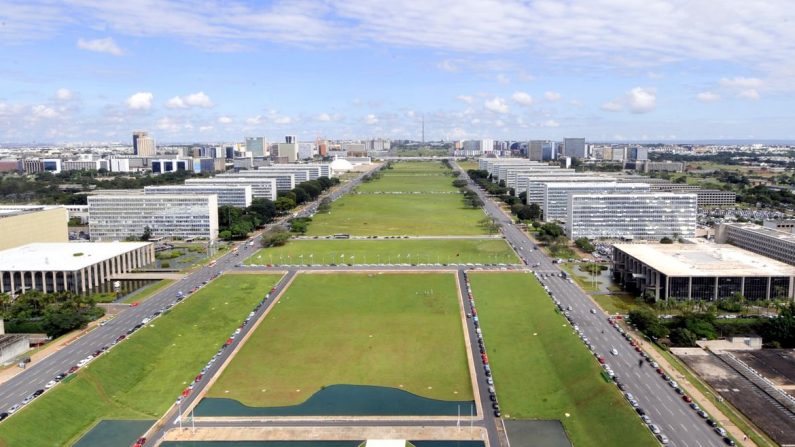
(113, 433)
(343, 400)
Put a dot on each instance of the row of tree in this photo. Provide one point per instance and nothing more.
(687, 328)
(52, 313)
(237, 223)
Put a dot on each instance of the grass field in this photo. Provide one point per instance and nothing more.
(417, 251)
(395, 215)
(543, 371)
(141, 377)
(620, 303)
(409, 183)
(148, 291)
(392, 330)
(467, 165)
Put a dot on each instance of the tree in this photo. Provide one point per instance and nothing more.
(324, 206)
(683, 337)
(584, 244)
(264, 209)
(275, 238)
(147, 234)
(549, 232)
(781, 330)
(284, 204)
(301, 196)
(459, 183)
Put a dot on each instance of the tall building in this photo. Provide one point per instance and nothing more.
(236, 195)
(289, 149)
(574, 147)
(117, 218)
(535, 150)
(143, 144)
(261, 187)
(258, 146)
(555, 203)
(649, 216)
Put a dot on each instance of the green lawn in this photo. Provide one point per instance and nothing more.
(393, 330)
(467, 165)
(543, 371)
(429, 251)
(395, 215)
(148, 291)
(417, 167)
(620, 303)
(141, 377)
(409, 183)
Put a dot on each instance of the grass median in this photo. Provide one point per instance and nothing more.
(392, 330)
(390, 251)
(543, 371)
(141, 377)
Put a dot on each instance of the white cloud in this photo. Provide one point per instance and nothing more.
(198, 99)
(324, 117)
(740, 82)
(641, 100)
(41, 111)
(282, 120)
(64, 94)
(465, 98)
(496, 105)
(224, 120)
(502, 78)
(106, 45)
(140, 101)
(750, 93)
(254, 120)
(205, 128)
(612, 106)
(448, 65)
(708, 97)
(371, 119)
(522, 98)
(168, 124)
(550, 123)
(552, 96)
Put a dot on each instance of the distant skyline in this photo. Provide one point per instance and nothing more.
(606, 70)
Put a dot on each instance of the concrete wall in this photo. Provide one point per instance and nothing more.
(40, 226)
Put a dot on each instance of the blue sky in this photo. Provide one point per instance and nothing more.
(93, 70)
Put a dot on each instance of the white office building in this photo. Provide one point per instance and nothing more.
(284, 181)
(535, 185)
(312, 171)
(261, 187)
(236, 195)
(511, 174)
(117, 218)
(648, 216)
(555, 203)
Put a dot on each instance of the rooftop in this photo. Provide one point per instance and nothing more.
(62, 256)
(705, 259)
(14, 210)
(764, 231)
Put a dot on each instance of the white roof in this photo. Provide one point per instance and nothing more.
(60, 256)
(705, 260)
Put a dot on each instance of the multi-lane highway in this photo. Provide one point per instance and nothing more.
(678, 422)
(37, 374)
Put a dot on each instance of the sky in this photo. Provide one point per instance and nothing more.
(212, 70)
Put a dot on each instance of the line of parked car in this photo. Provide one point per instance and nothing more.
(672, 383)
(484, 358)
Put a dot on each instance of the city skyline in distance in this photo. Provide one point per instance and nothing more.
(212, 71)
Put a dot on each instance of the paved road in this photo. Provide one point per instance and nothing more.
(678, 422)
(38, 374)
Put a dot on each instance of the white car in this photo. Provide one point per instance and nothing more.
(614, 351)
(50, 384)
(654, 429)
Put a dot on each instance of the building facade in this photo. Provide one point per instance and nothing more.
(232, 195)
(283, 181)
(574, 147)
(25, 224)
(143, 144)
(648, 216)
(716, 197)
(257, 146)
(555, 202)
(118, 218)
(779, 245)
(260, 187)
(707, 272)
(74, 267)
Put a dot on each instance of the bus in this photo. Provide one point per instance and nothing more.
(342, 236)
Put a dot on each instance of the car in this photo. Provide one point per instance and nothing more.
(654, 429)
(711, 423)
(662, 438)
(3, 416)
(687, 398)
(593, 311)
(640, 411)
(59, 377)
(694, 406)
(614, 351)
(629, 396)
(679, 390)
(673, 383)
(601, 359)
(621, 386)
(645, 418)
(728, 441)
(140, 442)
(702, 413)
(37, 393)
(14, 409)
(50, 384)
(720, 431)
(497, 413)
(73, 369)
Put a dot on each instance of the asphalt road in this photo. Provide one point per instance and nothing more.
(678, 422)
(37, 374)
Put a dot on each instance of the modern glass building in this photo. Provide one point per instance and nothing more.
(649, 216)
(117, 218)
(555, 201)
(701, 271)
